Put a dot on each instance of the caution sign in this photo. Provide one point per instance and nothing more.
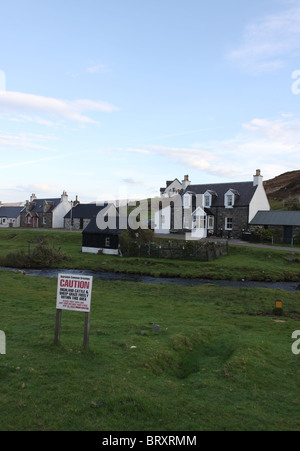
(74, 293)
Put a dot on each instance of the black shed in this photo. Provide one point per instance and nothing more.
(95, 240)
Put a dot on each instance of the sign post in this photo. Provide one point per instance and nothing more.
(73, 293)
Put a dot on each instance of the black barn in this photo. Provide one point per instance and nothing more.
(95, 240)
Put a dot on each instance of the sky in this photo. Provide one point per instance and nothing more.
(109, 99)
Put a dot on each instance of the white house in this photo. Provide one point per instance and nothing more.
(10, 216)
(217, 209)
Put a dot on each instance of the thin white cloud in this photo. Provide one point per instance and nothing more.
(31, 162)
(132, 150)
(25, 141)
(131, 181)
(272, 145)
(269, 40)
(20, 103)
(97, 68)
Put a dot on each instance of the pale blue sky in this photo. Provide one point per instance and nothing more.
(109, 99)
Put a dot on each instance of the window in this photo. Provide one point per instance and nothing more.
(202, 222)
(187, 201)
(210, 222)
(229, 200)
(228, 223)
(44, 220)
(207, 200)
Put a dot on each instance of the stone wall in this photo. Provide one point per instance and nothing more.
(178, 249)
(239, 217)
(77, 223)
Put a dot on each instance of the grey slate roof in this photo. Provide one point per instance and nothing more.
(245, 192)
(39, 203)
(284, 218)
(85, 211)
(10, 212)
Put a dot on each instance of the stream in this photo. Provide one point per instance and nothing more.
(110, 276)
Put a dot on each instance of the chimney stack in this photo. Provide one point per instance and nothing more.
(64, 196)
(257, 178)
(185, 182)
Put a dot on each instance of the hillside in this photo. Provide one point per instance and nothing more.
(284, 189)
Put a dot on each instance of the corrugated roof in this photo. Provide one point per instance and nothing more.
(283, 218)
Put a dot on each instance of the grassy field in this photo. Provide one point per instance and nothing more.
(241, 263)
(222, 360)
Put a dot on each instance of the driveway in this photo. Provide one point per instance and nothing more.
(265, 246)
(234, 242)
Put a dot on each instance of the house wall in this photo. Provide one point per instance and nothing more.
(76, 223)
(239, 217)
(9, 222)
(172, 189)
(60, 212)
(258, 202)
(162, 220)
(45, 220)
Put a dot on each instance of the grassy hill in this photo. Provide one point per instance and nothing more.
(283, 191)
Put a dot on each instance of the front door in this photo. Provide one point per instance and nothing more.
(287, 234)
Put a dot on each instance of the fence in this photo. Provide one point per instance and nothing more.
(177, 249)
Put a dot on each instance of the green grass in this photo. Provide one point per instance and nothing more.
(221, 362)
(241, 263)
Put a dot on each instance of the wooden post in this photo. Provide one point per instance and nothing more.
(57, 326)
(86, 330)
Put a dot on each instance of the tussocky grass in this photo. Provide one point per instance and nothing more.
(221, 361)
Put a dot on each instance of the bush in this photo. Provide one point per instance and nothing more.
(130, 239)
(266, 235)
(42, 256)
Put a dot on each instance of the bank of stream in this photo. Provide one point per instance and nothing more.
(110, 276)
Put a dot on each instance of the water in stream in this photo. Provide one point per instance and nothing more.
(287, 286)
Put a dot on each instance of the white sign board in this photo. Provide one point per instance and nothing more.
(74, 293)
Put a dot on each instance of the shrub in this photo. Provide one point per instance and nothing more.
(42, 256)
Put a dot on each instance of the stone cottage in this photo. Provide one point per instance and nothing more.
(45, 213)
(213, 209)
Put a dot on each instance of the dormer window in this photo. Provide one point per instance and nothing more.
(207, 200)
(229, 200)
(187, 200)
(230, 197)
